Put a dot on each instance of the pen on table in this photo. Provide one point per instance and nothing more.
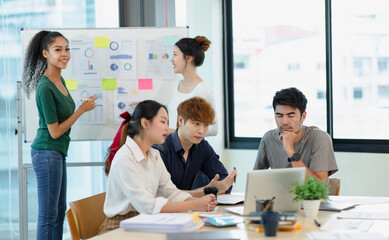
(235, 175)
(269, 204)
(317, 222)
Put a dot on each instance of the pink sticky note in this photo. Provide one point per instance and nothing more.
(145, 83)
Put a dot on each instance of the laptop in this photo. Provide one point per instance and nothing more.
(264, 184)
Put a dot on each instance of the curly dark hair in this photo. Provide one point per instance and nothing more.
(194, 47)
(35, 63)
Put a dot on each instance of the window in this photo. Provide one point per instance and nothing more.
(383, 64)
(336, 55)
(357, 93)
(359, 35)
(279, 49)
(362, 66)
(14, 15)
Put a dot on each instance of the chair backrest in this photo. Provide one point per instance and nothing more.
(334, 186)
(85, 216)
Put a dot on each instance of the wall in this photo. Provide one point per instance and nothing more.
(204, 17)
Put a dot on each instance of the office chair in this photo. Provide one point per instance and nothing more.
(334, 186)
(85, 216)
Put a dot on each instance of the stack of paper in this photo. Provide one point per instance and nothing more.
(163, 223)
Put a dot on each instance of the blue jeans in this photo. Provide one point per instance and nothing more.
(50, 170)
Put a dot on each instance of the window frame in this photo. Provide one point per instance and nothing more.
(233, 142)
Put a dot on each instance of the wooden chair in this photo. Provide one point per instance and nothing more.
(85, 216)
(334, 186)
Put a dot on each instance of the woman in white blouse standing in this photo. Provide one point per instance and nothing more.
(138, 181)
(189, 54)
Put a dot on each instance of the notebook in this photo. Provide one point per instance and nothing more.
(264, 184)
(222, 221)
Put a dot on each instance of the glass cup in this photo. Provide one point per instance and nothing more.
(261, 204)
(270, 221)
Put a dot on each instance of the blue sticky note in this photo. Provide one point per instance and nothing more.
(170, 40)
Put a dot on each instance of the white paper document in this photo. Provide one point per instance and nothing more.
(336, 225)
(233, 198)
(85, 59)
(97, 115)
(344, 235)
(124, 97)
(121, 59)
(237, 210)
(160, 223)
(364, 215)
(358, 200)
(158, 59)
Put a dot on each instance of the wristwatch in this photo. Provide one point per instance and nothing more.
(295, 157)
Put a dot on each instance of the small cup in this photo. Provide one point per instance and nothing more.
(270, 221)
(261, 204)
(209, 190)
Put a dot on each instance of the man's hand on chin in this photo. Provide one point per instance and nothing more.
(287, 139)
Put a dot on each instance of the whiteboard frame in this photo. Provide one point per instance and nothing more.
(161, 92)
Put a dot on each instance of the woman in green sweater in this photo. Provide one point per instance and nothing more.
(47, 54)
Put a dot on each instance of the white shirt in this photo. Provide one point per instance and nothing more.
(139, 184)
(203, 90)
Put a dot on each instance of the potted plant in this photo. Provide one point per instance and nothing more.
(311, 192)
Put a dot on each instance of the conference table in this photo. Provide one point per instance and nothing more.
(307, 224)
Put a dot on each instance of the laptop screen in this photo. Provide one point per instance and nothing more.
(265, 184)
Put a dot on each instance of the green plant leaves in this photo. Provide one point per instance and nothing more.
(311, 189)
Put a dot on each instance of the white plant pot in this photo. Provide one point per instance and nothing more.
(311, 207)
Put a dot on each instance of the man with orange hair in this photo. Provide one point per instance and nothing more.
(188, 156)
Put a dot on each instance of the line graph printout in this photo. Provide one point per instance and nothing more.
(121, 59)
(97, 115)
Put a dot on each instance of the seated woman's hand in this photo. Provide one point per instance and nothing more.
(207, 203)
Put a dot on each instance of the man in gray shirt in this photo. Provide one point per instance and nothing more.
(292, 144)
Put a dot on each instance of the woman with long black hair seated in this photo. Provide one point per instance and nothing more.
(138, 181)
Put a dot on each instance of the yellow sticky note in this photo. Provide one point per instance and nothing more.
(71, 84)
(101, 42)
(109, 83)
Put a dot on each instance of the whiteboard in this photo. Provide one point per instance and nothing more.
(136, 59)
